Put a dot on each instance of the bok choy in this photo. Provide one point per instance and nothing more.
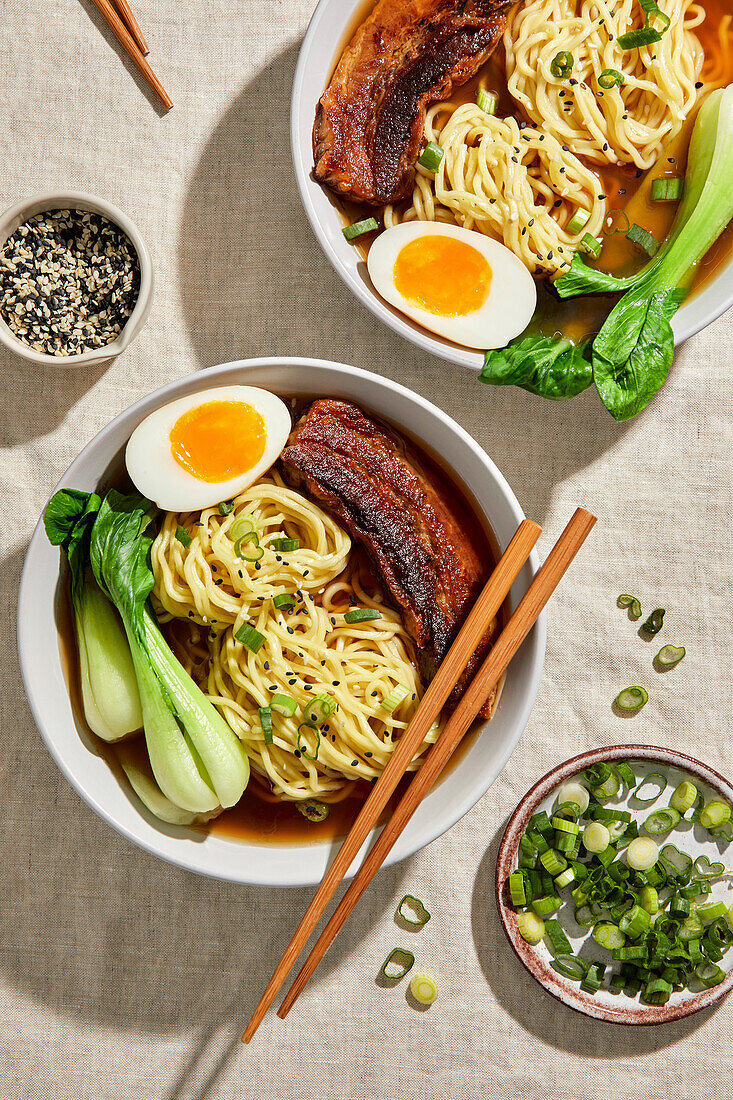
(631, 356)
(108, 685)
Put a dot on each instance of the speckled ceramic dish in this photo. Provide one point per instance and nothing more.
(615, 1008)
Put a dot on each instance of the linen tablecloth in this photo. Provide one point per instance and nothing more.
(122, 978)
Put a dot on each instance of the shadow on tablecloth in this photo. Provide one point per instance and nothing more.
(535, 1009)
(254, 281)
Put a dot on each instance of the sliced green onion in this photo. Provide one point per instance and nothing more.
(598, 773)
(714, 814)
(248, 548)
(642, 854)
(679, 907)
(488, 102)
(558, 942)
(656, 779)
(283, 704)
(398, 963)
(632, 699)
(662, 821)
(183, 536)
(226, 507)
(656, 620)
(517, 890)
(691, 929)
(314, 810)
(527, 852)
(591, 245)
(618, 981)
(578, 220)
(546, 905)
(631, 603)
(563, 825)
(607, 814)
(608, 935)
(284, 546)
(653, 11)
(424, 989)
(567, 843)
(531, 927)
(647, 242)
(609, 788)
(358, 229)
(431, 156)
(706, 869)
(319, 709)
(596, 837)
(573, 792)
(570, 966)
(584, 916)
(711, 910)
(412, 911)
(565, 878)
(553, 862)
(250, 637)
(266, 723)
(362, 615)
(627, 775)
(610, 78)
(634, 922)
(561, 65)
(684, 797)
(649, 900)
(303, 729)
(396, 696)
(616, 829)
(541, 822)
(670, 655)
(243, 525)
(667, 189)
(710, 975)
(633, 40)
(283, 600)
(657, 992)
(676, 863)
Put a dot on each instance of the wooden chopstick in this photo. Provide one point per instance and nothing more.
(128, 18)
(486, 607)
(132, 50)
(494, 666)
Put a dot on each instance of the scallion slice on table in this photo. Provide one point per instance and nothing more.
(412, 911)
(662, 821)
(313, 810)
(642, 854)
(578, 220)
(266, 723)
(362, 615)
(283, 704)
(561, 65)
(610, 78)
(632, 699)
(424, 989)
(398, 963)
(655, 622)
(631, 604)
(667, 189)
(643, 239)
(714, 814)
(250, 637)
(431, 157)
(358, 229)
(488, 102)
(670, 655)
(531, 927)
(684, 797)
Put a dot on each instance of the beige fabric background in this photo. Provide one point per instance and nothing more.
(122, 978)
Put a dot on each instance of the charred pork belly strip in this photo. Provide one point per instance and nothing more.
(376, 488)
(407, 55)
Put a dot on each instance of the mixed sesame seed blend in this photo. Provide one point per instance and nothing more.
(69, 280)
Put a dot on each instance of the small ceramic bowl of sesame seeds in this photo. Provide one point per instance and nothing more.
(76, 280)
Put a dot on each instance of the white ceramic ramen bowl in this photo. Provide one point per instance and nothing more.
(78, 755)
(330, 28)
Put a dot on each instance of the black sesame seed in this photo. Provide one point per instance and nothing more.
(354, 763)
(369, 754)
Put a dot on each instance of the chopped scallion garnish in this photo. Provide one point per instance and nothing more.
(531, 927)
(642, 854)
(362, 615)
(283, 704)
(314, 810)
(411, 910)
(358, 229)
(226, 507)
(283, 600)
(643, 239)
(684, 797)
(662, 821)
(285, 546)
(398, 963)
(670, 655)
(266, 723)
(319, 709)
(183, 536)
(650, 788)
(578, 220)
(431, 157)
(305, 730)
(667, 189)
(561, 65)
(424, 989)
(250, 637)
(591, 245)
(635, 39)
(714, 814)
(487, 101)
(631, 603)
(396, 696)
(632, 699)
(610, 78)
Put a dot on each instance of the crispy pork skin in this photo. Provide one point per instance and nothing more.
(407, 55)
(374, 485)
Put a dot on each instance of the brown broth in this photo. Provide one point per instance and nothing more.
(581, 318)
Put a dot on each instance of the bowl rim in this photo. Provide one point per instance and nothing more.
(186, 857)
(712, 299)
(40, 202)
(569, 993)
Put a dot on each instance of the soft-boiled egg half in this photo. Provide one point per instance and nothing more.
(456, 282)
(207, 447)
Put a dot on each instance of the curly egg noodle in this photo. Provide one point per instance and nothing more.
(309, 649)
(520, 185)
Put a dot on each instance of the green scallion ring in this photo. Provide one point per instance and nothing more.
(285, 546)
(424, 989)
(250, 637)
(610, 78)
(431, 157)
(398, 963)
(655, 779)
(635, 39)
(314, 811)
(362, 615)
(632, 699)
(570, 966)
(266, 723)
(412, 912)
(283, 600)
(626, 601)
(358, 229)
(226, 507)
(183, 536)
(670, 655)
(655, 621)
(303, 728)
(561, 65)
(662, 821)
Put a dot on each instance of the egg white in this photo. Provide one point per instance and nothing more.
(155, 472)
(508, 307)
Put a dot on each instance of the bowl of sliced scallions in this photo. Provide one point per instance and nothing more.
(614, 884)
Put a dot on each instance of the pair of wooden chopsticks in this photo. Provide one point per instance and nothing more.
(121, 19)
(449, 672)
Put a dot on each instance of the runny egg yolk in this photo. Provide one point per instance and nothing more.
(442, 275)
(218, 440)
